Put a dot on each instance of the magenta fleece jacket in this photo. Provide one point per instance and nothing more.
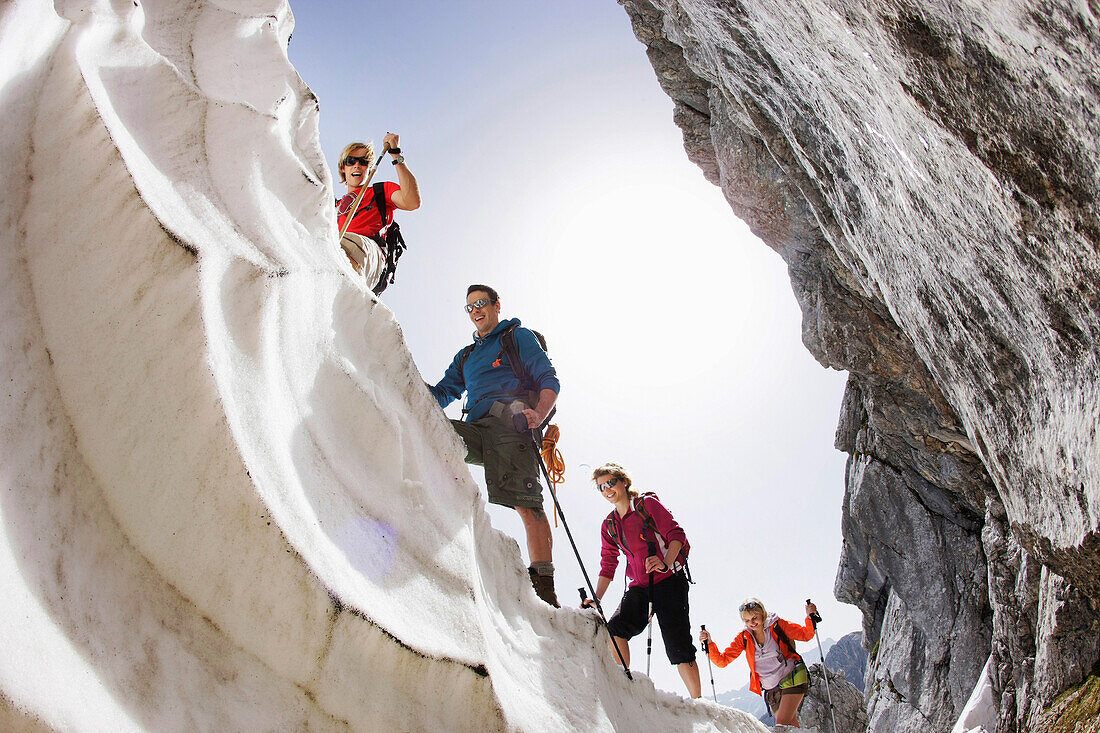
(630, 531)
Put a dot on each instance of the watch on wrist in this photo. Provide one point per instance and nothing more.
(399, 159)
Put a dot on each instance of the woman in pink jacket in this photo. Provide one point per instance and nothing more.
(776, 670)
(656, 548)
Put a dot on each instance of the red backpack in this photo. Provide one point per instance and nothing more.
(648, 523)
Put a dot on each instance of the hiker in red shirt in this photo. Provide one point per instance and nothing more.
(364, 238)
(656, 552)
(776, 670)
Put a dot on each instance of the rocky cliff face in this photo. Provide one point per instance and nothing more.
(929, 172)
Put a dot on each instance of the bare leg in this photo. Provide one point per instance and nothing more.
(624, 647)
(540, 541)
(689, 673)
(787, 714)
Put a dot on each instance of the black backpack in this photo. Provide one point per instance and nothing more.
(528, 390)
(393, 244)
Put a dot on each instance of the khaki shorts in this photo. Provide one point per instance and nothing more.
(796, 683)
(511, 464)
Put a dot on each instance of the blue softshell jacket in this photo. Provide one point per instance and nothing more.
(488, 375)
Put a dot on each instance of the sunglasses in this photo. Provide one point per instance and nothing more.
(749, 606)
(352, 160)
(479, 303)
(607, 484)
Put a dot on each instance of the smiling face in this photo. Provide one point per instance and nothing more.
(355, 174)
(754, 620)
(615, 493)
(486, 317)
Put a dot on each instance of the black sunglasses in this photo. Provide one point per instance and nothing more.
(362, 160)
(610, 483)
(749, 606)
(479, 303)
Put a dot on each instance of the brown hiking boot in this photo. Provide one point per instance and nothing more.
(544, 587)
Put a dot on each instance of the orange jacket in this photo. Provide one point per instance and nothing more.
(744, 642)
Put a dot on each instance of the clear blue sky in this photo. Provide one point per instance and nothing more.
(551, 169)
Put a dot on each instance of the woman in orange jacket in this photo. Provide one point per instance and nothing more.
(776, 670)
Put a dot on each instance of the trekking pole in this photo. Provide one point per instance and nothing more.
(649, 643)
(516, 422)
(652, 547)
(706, 650)
(362, 191)
(599, 610)
(814, 619)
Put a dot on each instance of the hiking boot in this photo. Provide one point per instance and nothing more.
(544, 587)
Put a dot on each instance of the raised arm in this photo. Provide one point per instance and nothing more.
(408, 198)
(804, 632)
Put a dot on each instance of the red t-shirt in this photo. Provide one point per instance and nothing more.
(366, 220)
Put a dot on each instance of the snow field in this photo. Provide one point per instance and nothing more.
(229, 503)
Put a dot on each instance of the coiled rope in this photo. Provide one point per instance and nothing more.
(551, 458)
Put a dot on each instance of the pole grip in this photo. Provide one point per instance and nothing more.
(815, 618)
(385, 149)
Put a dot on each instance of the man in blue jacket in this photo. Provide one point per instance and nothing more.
(494, 395)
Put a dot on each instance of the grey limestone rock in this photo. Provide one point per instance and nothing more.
(848, 708)
(930, 172)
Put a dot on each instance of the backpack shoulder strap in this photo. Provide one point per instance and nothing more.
(508, 346)
(782, 636)
(462, 357)
(380, 200)
(526, 382)
(508, 342)
(639, 506)
(612, 531)
(647, 520)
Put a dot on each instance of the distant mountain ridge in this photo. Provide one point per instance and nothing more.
(849, 656)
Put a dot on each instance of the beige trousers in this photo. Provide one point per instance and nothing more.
(366, 257)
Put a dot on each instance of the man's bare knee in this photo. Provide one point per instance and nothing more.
(531, 514)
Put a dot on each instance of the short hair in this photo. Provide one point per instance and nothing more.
(756, 607)
(493, 297)
(614, 469)
(347, 151)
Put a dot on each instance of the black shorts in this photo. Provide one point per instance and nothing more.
(670, 605)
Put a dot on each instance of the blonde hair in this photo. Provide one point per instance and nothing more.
(757, 607)
(614, 469)
(348, 150)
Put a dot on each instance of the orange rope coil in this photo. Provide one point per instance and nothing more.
(555, 464)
